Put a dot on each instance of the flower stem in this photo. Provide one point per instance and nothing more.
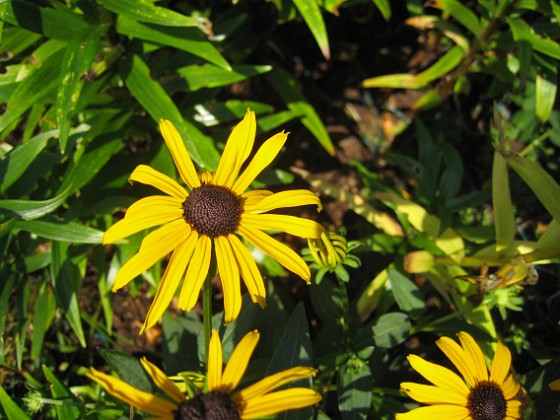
(207, 305)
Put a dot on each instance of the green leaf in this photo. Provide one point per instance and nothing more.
(78, 58)
(43, 314)
(66, 278)
(58, 230)
(146, 11)
(523, 32)
(61, 392)
(384, 7)
(391, 329)
(406, 293)
(40, 84)
(30, 209)
(545, 88)
(290, 93)
(210, 76)
(504, 217)
(59, 23)
(129, 369)
(354, 389)
(461, 13)
(311, 13)
(187, 39)
(12, 410)
(158, 104)
(14, 165)
(541, 183)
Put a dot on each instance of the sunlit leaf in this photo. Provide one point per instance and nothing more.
(54, 229)
(391, 329)
(147, 11)
(502, 205)
(406, 293)
(12, 410)
(546, 87)
(208, 76)
(523, 32)
(311, 13)
(461, 13)
(369, 299)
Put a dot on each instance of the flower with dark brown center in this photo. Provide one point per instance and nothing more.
(487, 402)
(211, 406)
(212, 210)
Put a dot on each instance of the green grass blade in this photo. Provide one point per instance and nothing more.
(546, 87)
(12, 410)
(57, 230)
(158, 104)
(286, 87)
(464, 15)
(311, 13)
(61, 392)
(210, 76)
(187, 39)
(146, 11)
(384, 7)
(503, 207)
(30, 209)
(522, 32)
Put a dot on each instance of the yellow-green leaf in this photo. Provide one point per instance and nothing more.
(503, 207)
(311, 13)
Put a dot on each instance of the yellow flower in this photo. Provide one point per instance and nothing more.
(207, 217)
(554, 385)
(480, 395)
(220, 399)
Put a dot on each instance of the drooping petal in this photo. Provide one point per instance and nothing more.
(162, 381)
(215, 364)
(510, 387)
(144, 214)
(277, 250)
(514, 410)
(429, 394)
(145, 401)
(456, 354)
(196, 273)
(154, 247)
(501, 364)
(149, 176)
(249, 271)
(272, 382)
(278, 402)
(179, 153)
(438, 375)
(436, 412)
(252, 197)
(170, 281)
(237, 150)
(292, 225)
(229, 274)
(238, 361)
(474, 353)
(283, 199)
(264, 156)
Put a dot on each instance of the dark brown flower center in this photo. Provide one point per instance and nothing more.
(211, 406)
(487, 402)
(213, 210)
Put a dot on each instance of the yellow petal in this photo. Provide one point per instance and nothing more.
(429, 394)
(272, 382)
(292, 225)
(149, 176)
(436, 412)
(554, 385)
(277, 250)
(474, 354)
(456, 354)
(154, 247)
(238, 361)
(249, 271)
(501, 364)
(438, 375)
(237, 150)
(510, 387)
(278, 402)
(264, 156)
(215, 364)
(196, 273)
(229, 274)
(283, 199)
(179, 153)
(170, 281)
(145, 401)
(252, 197)
(162, 381)
(514, 410)
(143, 214)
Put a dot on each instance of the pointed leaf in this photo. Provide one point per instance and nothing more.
(30, 209)
(58, 230)
(12, 410)
(129, 369)
(147, 11)
(311, 13)
(503, 207)
(62, 393)
(354, 389)
(406, 293)
(391, 330)
(209, 76)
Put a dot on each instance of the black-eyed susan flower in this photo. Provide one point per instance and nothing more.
(206, 218)
(219, 399)
(482, 394)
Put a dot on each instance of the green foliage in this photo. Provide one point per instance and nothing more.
(446, 220)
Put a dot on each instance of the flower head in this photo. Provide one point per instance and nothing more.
(206, 218)
(220, 398)
(482, 394)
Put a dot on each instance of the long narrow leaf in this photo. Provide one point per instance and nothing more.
(311, 13)
(56, 230)
(503, 207)
(146, 11)
(30, 209)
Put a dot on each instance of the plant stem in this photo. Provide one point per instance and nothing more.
(207, 305)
